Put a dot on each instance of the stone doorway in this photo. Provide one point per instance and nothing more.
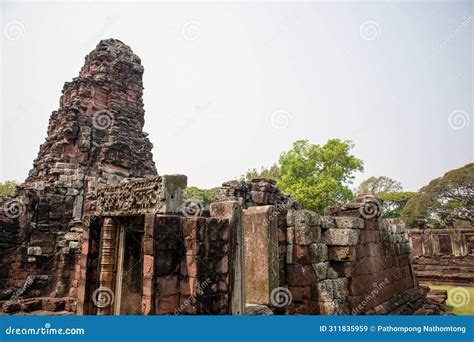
(120, 266)
(129, 266)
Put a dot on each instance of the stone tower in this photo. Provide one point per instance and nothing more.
(94, 139)
(98, 126)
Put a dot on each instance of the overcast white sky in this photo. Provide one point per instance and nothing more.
(229, 86)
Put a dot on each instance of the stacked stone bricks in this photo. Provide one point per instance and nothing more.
(191, 265)
(256, 192)
(315, 286)
(347, 263)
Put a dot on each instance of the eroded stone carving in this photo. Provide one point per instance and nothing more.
(138, 197)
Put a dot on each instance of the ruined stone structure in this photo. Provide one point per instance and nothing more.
(298, 262)
(443, 256)
(94, 229)
(94, 139)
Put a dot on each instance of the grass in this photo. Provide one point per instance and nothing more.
(460, 298)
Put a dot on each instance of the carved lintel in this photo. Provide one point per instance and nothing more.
(138, 197)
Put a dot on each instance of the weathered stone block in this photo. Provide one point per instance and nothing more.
(72, 192)
(340, 288)
(331, 273)
(167, 305)
(168, 285)
(342, 253)
(224, 209)
(318, 252)
(340, 237)
(321, 270)
(194, 228)
(349, 222)
(257, 310)
(75, 244)
(328, 222)
(305, 235)
(329, 307)
(34, 250)
(300, 293)
(72, 236)
(325, 290)
(166, 262)
(302, 218)
(300, 275)
(301, 254)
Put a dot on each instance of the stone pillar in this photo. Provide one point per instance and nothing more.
(81, 292)
(232, 211)
(106, 266)
(148, 265)
(261, 254)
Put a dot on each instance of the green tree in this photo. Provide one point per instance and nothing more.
(444, 200)
(394, 202)
(272, 172)
(318, 176)
(7, 189)
(205, 196)
(378, 185)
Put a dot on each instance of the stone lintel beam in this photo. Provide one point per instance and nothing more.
(161, 194)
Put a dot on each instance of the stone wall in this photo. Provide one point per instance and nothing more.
(191, 265)
(443, 256)
(347, 262)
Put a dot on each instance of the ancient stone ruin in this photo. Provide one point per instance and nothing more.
(443, 256)
(94, 230)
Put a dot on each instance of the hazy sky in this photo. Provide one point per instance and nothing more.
(229, 86)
